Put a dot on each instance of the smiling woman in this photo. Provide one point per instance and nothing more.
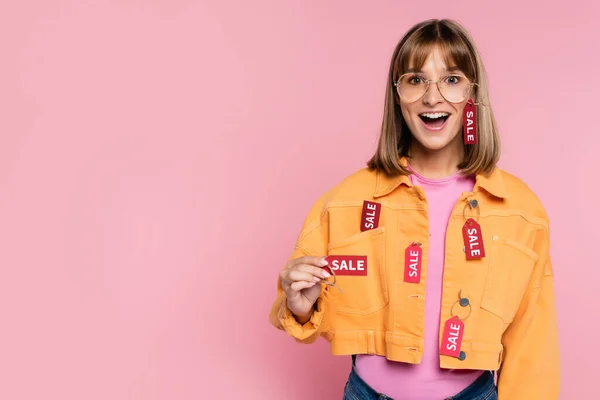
(439, 65)
(440, 259)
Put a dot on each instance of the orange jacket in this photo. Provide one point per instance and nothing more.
(509, 318)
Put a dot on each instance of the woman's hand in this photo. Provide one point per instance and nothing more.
(300, 281)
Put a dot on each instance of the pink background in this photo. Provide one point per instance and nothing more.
(158, 157)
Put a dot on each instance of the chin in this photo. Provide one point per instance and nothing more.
(434, 144)
(435, 141)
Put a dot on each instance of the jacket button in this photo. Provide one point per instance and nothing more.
(462, 356)
(464, 302)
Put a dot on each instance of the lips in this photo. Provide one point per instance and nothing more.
(434, 115)
(434, 121)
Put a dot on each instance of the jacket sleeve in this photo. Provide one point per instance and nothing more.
(312, 241)
(530, 369)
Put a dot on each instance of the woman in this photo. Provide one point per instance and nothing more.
(430, 267)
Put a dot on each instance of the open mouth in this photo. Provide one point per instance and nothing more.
(434, 121)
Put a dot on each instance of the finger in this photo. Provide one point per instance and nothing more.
(298, 286)
(315, 271)
(290, 276)
(285, 283)
(295, 275)
(310, 260)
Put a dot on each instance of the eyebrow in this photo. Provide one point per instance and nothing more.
(451, 69)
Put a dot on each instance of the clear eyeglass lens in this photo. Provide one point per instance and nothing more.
(412, 87)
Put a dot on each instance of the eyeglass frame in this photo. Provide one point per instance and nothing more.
(437, 82)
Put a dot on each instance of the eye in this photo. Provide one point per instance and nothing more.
(454, 79)
(415, 80)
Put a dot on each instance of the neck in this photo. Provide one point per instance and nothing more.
(436, 164)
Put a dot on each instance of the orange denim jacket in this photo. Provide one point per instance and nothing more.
(509, 322)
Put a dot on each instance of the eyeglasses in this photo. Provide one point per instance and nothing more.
(454, 88)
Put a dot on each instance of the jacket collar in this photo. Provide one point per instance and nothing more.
(492, 183)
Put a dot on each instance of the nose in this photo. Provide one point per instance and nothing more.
(433, 95)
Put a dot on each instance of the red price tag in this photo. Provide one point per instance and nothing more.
(452, 337)
(413, 258)
(370, 215)
(470, 123)
(348, 265)
(473, 240)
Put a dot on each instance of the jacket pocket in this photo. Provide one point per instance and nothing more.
(509, 272)
(367, 294)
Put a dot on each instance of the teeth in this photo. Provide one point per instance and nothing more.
(435, 115)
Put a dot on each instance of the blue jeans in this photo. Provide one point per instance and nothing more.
(482, 389)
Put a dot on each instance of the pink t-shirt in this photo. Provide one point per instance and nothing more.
(425, 381)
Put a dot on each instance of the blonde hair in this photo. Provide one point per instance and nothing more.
(457, 48)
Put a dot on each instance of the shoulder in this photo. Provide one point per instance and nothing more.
(522, 198)
(358, 185)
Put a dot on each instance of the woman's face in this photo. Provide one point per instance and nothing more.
(435, 134)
